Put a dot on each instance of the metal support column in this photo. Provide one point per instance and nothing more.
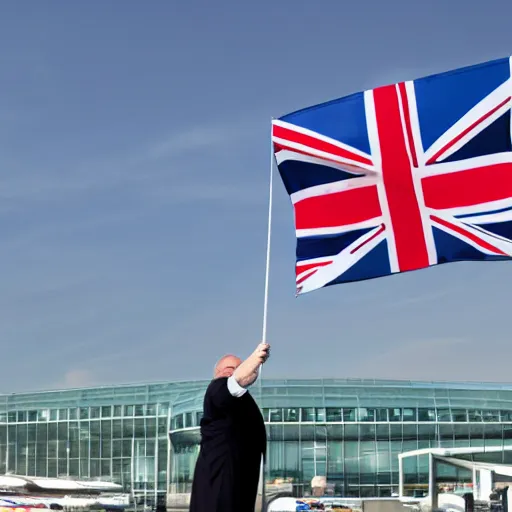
(400, 476)
(432, 479)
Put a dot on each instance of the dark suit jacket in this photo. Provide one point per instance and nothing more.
(233, 441)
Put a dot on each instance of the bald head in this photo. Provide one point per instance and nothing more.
(226, 366)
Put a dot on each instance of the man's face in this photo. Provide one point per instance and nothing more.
(227, 366)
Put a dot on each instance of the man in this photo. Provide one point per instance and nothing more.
(233, 438)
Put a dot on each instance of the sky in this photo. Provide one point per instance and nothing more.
(134, 168)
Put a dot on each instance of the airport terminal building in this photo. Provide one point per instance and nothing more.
(146, 437)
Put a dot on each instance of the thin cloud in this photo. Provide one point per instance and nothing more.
(441, 358)
(149, 162)
(76, 378)
(208, 137)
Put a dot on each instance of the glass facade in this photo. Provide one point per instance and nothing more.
(351, 431)
(146, 437)
(119, 434)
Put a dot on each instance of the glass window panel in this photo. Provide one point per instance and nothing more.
(276, 415)
(189, 422)
(117, 429)
(382, 415)
(410, 432)
(118, 410)
(73, 413)
(395, 432)
(95, 449)
(409, 414)
(426, 414)
(291, 432)
(365, 414)
(95, 412)
(444, 415)
(333, 414)
(506, 415)
(461, 432)
(43, 415)
(62, 429)
(367, 432)
(151, 409)
(105, 468)
(459, 415)
(320, 414)
(446, 433)
(31, 433)
(491, 415)
(129, 410)
(116, 448)
(474, 415)
(349, 414)
(52, 468)
(84, 413)
(150, 427)
(127, 448)
(150, 447)
(308, 414)
(139, 410)
(307, 432)
(106, 411)
(22, 415)
(178, 419)
(477, 434)
(351, 432)
(494, 432)
(106, 448)
(382, 432)
(291, 414)
(139, 428)
(395, 414)
(128, 427)
(427, 432)
(52, 449)
(291, 462)
(84, 468)
(367, 462)
(94, 427)
(163, 409)
(351, 451)
(321, 435)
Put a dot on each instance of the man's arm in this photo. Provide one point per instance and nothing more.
(224, 391)
(247, 373)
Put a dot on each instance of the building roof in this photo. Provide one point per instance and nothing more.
(320, 392)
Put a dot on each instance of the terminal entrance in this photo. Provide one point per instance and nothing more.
(462, 479)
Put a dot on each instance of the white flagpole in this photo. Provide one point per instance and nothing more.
(265, 298)
(269, 233)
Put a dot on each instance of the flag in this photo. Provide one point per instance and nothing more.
(401, 177)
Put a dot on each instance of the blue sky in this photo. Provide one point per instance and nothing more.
(134, 159)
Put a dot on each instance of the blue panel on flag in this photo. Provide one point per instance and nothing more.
(374, 264)
(450, 248)
(327, 119)
(321, 246)
(444, 98)
(298, 175)
(503, 229)
(493, 139)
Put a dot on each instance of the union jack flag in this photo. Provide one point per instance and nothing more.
(401, 177)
